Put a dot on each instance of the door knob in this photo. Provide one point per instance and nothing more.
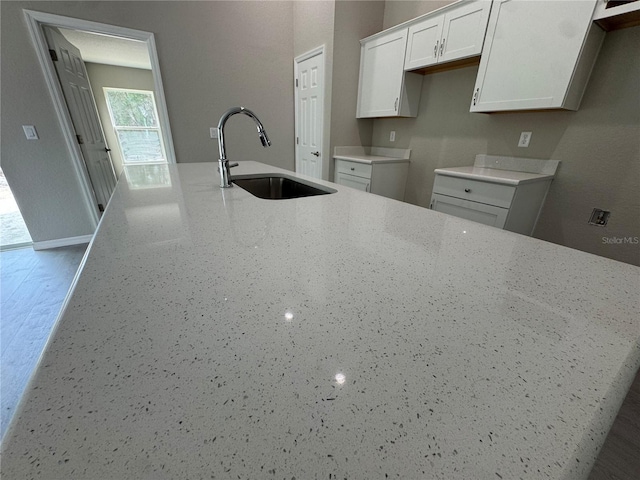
(317, 154)
(107, 149)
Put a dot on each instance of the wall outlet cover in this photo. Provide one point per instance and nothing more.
(213, 132)
(525, 138)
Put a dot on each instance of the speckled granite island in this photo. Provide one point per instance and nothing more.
(212, 334)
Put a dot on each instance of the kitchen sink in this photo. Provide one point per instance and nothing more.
(279, 187)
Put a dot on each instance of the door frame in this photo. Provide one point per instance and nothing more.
(35, 21)
(296, 62)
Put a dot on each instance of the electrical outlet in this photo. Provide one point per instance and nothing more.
(392, 136)
(213, 132)
(599, 217)
(525, 138)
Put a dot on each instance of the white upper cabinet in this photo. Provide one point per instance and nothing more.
(424, 41)
(384, 89)
(454, 34)
(536, 55)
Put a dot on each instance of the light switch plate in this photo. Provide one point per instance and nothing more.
(30, 132)
(392, 136)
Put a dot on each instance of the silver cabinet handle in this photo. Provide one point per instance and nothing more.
(435, 49)
(442, 47)
(475, 95)
(317, 154)
(395, 105)
(467, 190)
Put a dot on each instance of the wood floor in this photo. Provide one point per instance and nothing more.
(619, 458)
(34, 285)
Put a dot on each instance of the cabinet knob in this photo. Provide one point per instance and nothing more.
(467, 190)
(317, 154)
(475, 96)
(352, 169)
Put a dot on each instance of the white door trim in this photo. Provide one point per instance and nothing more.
(35, 21)
(296, 61)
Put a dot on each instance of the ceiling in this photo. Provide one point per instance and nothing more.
(98, 48)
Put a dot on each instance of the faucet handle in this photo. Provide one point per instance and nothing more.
(231, 165)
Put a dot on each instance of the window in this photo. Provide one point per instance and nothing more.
(135, 120)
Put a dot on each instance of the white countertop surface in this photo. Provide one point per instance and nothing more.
(214, 334)
(371, 159)
(493, 175)
(371, 155)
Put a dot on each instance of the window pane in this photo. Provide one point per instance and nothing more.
(140, 146)
(132, 109)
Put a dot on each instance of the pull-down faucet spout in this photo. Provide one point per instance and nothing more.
(223, 162)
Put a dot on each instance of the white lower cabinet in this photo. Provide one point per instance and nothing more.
(478, 212)
(387, 179)
(359, 183)
(511, 207)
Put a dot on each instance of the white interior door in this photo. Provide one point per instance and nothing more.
(309, 115)
(84, 115)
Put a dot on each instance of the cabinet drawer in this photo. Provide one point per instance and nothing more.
(477, 212)
(474, 190)
(354, 168)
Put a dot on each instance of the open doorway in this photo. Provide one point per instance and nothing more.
(37, 21)
(13, 231)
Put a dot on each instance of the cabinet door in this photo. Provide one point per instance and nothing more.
(359, 183)
(423, 43)
(530, 53)
(478, 212)
(381, 75)
(464, 31)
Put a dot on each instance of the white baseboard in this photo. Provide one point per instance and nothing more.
(62, 242)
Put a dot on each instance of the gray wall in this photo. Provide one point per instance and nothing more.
(339, 26)
(398, 11)
(101, 76)
(353, 21)
(213, 55)
(599, 145)
(313, 26)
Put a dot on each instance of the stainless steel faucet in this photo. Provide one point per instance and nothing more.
(223, 163)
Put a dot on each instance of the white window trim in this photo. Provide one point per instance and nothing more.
(157, 128)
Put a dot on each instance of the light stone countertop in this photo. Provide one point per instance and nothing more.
(214, 334)
(505, 177)
(371, 155)
(371, 159)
